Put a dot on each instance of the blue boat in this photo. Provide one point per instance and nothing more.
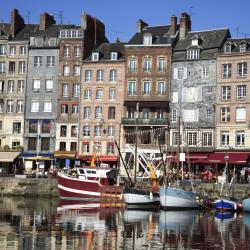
(225, 216)
(246, 205)
(225, 205)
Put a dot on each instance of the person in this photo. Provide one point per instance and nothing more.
(242, 174)
(246, 176)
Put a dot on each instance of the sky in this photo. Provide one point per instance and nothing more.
(120, 16)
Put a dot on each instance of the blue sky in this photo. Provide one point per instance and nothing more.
(120, 16)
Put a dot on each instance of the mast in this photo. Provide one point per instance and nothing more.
(178, 150)
(136, 141)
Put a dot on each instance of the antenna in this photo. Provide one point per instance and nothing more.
(28, 16)
(61, 16)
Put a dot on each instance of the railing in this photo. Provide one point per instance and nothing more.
(140, 121)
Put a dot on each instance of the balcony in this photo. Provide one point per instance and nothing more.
(140, 121)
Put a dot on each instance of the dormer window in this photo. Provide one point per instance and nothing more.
(193, 54)
(147, 39)
(242, 47)
(113, 56)
(95, 56)
(195, 41)
(227, 48)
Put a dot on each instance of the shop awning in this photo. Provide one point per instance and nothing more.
(102, 158)
(8, 156)
(65, 154)
(39, 158)
(233, 157)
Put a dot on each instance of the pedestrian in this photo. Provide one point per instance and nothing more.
(242, 175)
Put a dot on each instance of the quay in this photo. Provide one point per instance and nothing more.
(44, 187)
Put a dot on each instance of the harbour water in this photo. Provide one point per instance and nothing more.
(53, 224)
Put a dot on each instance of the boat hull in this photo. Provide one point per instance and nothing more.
(133, 199)
(174, 198)
(246, 205)
(225, 205)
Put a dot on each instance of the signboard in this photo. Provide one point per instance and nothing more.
(182, 156)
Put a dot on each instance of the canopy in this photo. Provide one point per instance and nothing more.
(65, 154)
(8, 156)
(233, 157)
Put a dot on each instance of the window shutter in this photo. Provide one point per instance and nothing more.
(175, 97)
(185, 73)
(184, 95)
(176, 73)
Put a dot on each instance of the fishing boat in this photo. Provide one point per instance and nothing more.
(89, 182)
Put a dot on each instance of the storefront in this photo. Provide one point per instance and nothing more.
(9, 163)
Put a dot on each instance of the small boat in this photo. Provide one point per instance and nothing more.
(225, 205)
(246, 205)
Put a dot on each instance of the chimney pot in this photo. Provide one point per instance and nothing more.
(185, 25)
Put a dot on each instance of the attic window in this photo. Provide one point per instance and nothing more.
(195, 42)
(95, 56)
(52, 42)
(147, 39)
(242, 47)
(193, 54)
(227, 48)
(113, 56)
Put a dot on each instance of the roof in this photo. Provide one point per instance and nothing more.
(236, 42)
(105, 50)
(161, 35)
(5, 29)
(9, 156)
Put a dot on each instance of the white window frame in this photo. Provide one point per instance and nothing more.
(10, 106)
(47, 106)
(240, 138)
(240, 114)
(87, 94)
(113, 56)
(19, 106)
(88, 75)
(49, 85)
(36, 85)
(225, 114)
(86, 113)
(34, 106)
(241, 92)
(224, 138)
(226, 92)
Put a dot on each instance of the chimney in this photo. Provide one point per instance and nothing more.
(117, 40)
(46, 20)
(185, 25)
(140, 25)
(17, 22)
(173, 25)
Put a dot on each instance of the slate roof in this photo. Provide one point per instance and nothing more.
(105, 50)
(161, 35)
(5, 29)
(235, 42)
(211, 42)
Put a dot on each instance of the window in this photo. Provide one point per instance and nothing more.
(192, 138)
(2, 49)
(113, 75)
(161, 64)
(66, 70)
(47, 106)
(76, 90)
(22, 51)
(88, 75)
(240, 138)
(227, 48)
(225, 114)
(112, 94)
(85, 147)
(12, 67)
(46, 126)
(48, 85)
(241, 91)
(1, 107)
(192, 54)
(192, 94)
(65, 90)
(98, 112)
(86, 130)
(64, 109)
(207, 139)
(75, 109)
(73, 131)
(1, 125)
(132, 66)
(99, 94)
(159, 113)
(111, 113)
(10, 106)
(77, 51)
(32, 143)
(63, 131)
(147, 39)
(20, 86)
(110, 148)
(34, 106)
(131, 88)
(147, 64)
(62, 146)
(95, 56)
(87, 94)
(1, 86)
(242, 47)
(161, 89)
(224, 138)
(131, 112)
(242, 69)
(111, 130)
(113, 56)
(226, 93)
(73, 146)
(209, 113)
(190, 115)
(36, 85)
(45, 143)
(2, 68)
(21, 67)
(205, 72)
(15, 144)
(12, 50)
(86, 113)
(146, 88)
(240, 114)
(19, 106)
(33, 126)
(175, 97)
(174, 115)
(51, 61)
(210, 89)
(97, 130)
(16, 127)
(227, 70)
(77, 70)
(37, 61)
(10, 87)
(145, 113)
(180, 73)
(99, 75)
(175, 139)
(66, 51)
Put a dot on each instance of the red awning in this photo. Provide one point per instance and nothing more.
(233, 157)
(102, 158)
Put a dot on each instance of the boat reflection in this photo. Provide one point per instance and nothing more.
(246, 220)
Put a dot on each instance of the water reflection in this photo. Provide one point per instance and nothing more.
(51, 224)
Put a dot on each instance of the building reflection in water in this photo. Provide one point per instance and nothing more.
(49, 224)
